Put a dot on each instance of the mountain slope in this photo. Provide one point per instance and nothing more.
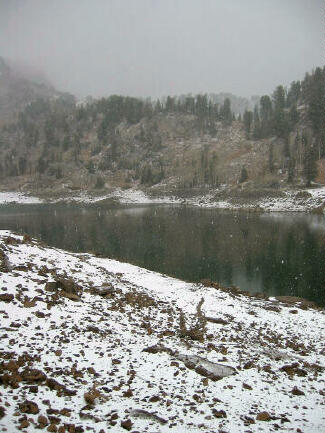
(16, 92)
(186, 144)
(92, 344)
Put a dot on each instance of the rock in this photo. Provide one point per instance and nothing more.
(9, 240)
(202, 366)
(126, 424)
(4, 262)
(29, 304)
(51, 286)
(263, 416)
(141, 413)
(248, 420)
(128, 393)
(54, 419)
(297, 391)
(93, 328)
(6, 297)
(294, 369)
(33, 389)
(65, 412)
(154, 398)
(2, 412)
(89, 398)
(68, 286)
(71, 296)
(272, 308)
(27, 239)
(42, 420)
(29, 407)
(217, 320)
(296, 299)
(24, 424)
(39, 314)
(248, 364)
(103, 290)
(55, 385)
(153, 349)
(33, 375)
(219, 413)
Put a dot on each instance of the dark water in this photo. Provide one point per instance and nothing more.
(279, 254)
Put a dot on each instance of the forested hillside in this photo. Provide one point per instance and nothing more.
(182, 142)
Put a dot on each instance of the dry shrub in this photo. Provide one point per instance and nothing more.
(139, 300)
(197, 329)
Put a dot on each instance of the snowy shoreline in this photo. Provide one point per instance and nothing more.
(93, 343)
(300, 201)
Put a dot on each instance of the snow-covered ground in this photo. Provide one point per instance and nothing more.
(291, 202)
(92, 344)
(18, 197)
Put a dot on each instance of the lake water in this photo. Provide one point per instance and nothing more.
(274, 253)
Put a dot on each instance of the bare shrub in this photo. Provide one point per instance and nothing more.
(197, 329)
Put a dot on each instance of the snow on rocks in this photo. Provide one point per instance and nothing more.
(291, 201)
(92, 344)
(132, 196)
(18, 197)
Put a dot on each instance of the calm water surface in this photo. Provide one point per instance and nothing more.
(279, 254)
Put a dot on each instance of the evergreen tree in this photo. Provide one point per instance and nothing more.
(266, 115)
(170, 104)
(280, 121)
(316, 101)
(293, 94)
(243, 175)
(225, 112)
(248, 119)
(293, 116)
(257, 123)
(310, 167)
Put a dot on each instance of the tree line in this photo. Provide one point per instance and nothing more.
(296, 110)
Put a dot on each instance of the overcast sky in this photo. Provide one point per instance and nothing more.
(161, 47)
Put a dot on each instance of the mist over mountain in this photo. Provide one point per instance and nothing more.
(49, 141)
(19, 87)
(155, 48)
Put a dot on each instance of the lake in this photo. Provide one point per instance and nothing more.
(274, 253)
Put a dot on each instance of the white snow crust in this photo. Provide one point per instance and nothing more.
(94, 344)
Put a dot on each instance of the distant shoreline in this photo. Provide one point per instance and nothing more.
(303, 200)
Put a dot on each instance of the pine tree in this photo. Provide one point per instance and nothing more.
(248, 119)
(257, 123)
(225, 112)
(266, 115)
(280, 121)
(243, 175)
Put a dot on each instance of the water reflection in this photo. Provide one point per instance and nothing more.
(275, 253)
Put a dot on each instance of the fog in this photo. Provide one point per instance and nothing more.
(160, 47)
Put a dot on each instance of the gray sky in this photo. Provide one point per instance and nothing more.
(160, 47)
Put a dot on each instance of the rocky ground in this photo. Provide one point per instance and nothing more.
(92, 344)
